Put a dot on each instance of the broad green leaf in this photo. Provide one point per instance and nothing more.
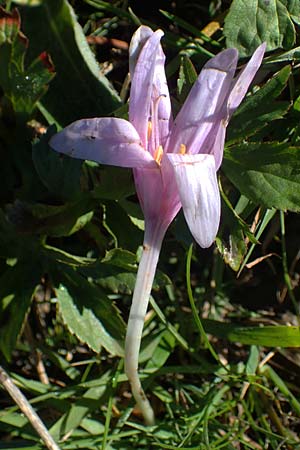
(249, 24)
(50, 220)
(79, 89)
(60, 175)
(162, 351)
(116, 272)
(267, 173)
(269, 336)
(116, 281)
(110, 183)
(260, 109)
(17, 285)
(122, 229)
(89, 314)
(120, 258)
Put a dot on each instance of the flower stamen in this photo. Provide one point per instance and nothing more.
(149, 131)
(158, 154)
(182, 149)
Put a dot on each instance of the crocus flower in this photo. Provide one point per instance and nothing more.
(174, 162)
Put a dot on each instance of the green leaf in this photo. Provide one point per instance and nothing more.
(50, 220)
(253, 361)
(231, 238)
(22, 87)
(76, 412)
(116, 272)
(60, 175)
(17, 285)
(89, 314)
(110, 183)
(269, 336)
(249, 24)
(186, 79)
(64, 257)
(267, 173)
(79, 89)
(260, 109)
(162, 351)
(117, 221)
(120, 258)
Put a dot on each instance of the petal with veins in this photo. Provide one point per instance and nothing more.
(137, 42)
(199, 194)
(204, 106)
(161, 95)
(217, 144)
(244, 79)
(105, 140)
(142, 86)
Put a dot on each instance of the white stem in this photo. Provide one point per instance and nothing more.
(140, 300)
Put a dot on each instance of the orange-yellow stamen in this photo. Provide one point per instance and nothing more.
(149, 131)
(158, 154)
(182, 149)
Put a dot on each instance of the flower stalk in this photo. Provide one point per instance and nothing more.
(140, 301)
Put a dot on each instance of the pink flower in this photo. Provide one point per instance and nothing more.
(174, 162)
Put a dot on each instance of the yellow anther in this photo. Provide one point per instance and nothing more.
(182, 149)
(149, 131)
(158, 154)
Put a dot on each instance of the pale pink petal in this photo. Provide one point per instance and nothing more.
(163, 120)
(217, 144)
(204, 108)
(244, 79)
(105, 140)
(239, 90)
(142, 86)
(137, 42)
(199, 194)
(158, 194)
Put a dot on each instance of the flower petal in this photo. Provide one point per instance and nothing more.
(199, 193)
(105, 140)
(138, 40)
(217, 145)
(142, 86)
(162, 95)
(244, 79)
(204, 108)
